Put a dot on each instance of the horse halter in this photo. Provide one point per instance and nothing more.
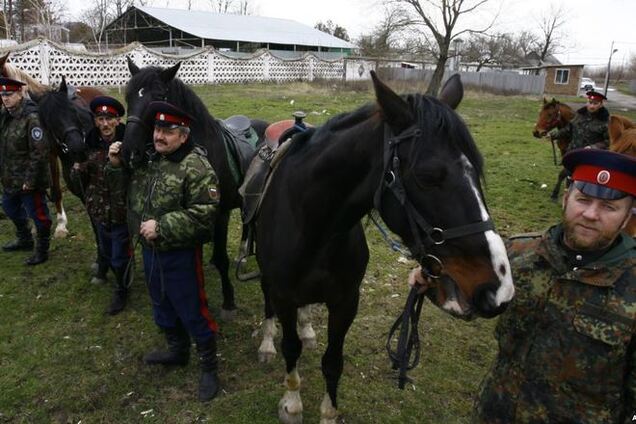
(392, 181)
(63, 143)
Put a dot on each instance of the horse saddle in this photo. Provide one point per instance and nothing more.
(257, 179)
(239, 151)
(242, 126)
(278, 132)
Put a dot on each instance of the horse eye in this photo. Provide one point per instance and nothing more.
(141, 92)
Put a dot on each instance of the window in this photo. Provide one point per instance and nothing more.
(562, 76)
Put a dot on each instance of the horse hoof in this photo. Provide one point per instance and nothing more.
(98, 280)
(309, 343)
(290, 408)
(228, 314)
(94, 268)
(60, 233)
(266, 357)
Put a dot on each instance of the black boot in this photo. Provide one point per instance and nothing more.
(118, 302)
(24, 239)
(41, 253)
(178, 352)
(209, 381)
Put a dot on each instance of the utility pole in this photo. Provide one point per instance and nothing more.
(609, 65)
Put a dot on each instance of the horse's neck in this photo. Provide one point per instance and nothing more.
(349, 169)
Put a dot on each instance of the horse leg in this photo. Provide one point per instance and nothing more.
(340, 319)
(305, 330)
(267, 350)
(56, 196)
(555, 192)
(222, 264)
(290, 407)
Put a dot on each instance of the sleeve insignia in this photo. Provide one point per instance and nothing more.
(36, 133)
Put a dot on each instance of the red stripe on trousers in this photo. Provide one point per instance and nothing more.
(39, 210)
(203, 304)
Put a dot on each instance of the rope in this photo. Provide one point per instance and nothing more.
(407, 355)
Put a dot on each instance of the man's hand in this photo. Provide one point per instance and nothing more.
(148, 230)
(552, 134)
(417, 279)
(26, 187)
(113, 154)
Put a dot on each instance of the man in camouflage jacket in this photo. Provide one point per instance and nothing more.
(589, 125)
(106, 203)
(567, 340)
(171, 205)
(24, 164)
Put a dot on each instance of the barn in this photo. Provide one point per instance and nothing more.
(179, 29)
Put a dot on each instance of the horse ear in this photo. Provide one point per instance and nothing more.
(3, 60)
(63, 87)
(395, 110)
(134, 69)
(453, 91)
(168, 75)
(545, 101)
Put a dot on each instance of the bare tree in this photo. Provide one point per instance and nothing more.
(385, 37)
(244, 8)
(334, 29)
(97, 18)
(221, 6)
(439, 18)
(551, 31)
(122, 5)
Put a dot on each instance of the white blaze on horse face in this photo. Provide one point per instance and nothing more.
(498, 255)
(141, 92)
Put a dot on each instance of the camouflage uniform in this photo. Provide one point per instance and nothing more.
(179, 191)
(24, 159)
(105, 203)
(586, 129)
(566, 345)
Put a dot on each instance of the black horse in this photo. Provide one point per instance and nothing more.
(413, 159)
(154, 83)
(67, 119)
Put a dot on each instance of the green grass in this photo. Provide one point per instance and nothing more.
(62, 360)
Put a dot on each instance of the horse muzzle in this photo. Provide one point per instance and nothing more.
(485, 302)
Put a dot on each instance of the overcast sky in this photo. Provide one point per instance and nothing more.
(591, 26)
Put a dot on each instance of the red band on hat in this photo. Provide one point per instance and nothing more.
(606, 177)
(172, 119)
(595, 97)
(102, 109)
(10, 87)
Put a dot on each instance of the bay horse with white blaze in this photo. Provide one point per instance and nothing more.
(412, 158)
(155, 83)
(554, 114)
(622, 134)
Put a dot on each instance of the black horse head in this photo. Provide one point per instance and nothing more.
(65, 121)
(146, 85)
(431, 196)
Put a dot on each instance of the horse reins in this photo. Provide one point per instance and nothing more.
(408, 341)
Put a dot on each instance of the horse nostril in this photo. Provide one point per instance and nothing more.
(485, 301)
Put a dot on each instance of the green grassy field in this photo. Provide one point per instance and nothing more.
(63, 360)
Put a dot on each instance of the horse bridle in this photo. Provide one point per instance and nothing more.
(62, 142)
(392, 181)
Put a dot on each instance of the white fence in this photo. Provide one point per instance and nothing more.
(48, 61)
(507, 82)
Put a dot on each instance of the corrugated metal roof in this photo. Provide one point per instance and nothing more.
(247, 28)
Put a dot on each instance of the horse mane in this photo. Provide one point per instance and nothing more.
(432, 116)
(33, 86)
(184, 98)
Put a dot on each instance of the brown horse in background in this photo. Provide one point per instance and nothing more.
(554, 114)
(622, 133)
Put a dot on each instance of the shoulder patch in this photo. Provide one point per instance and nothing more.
(37, 133)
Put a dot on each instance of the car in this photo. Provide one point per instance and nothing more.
(587, 84)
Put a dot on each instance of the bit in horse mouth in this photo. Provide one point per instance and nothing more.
(455, 303)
